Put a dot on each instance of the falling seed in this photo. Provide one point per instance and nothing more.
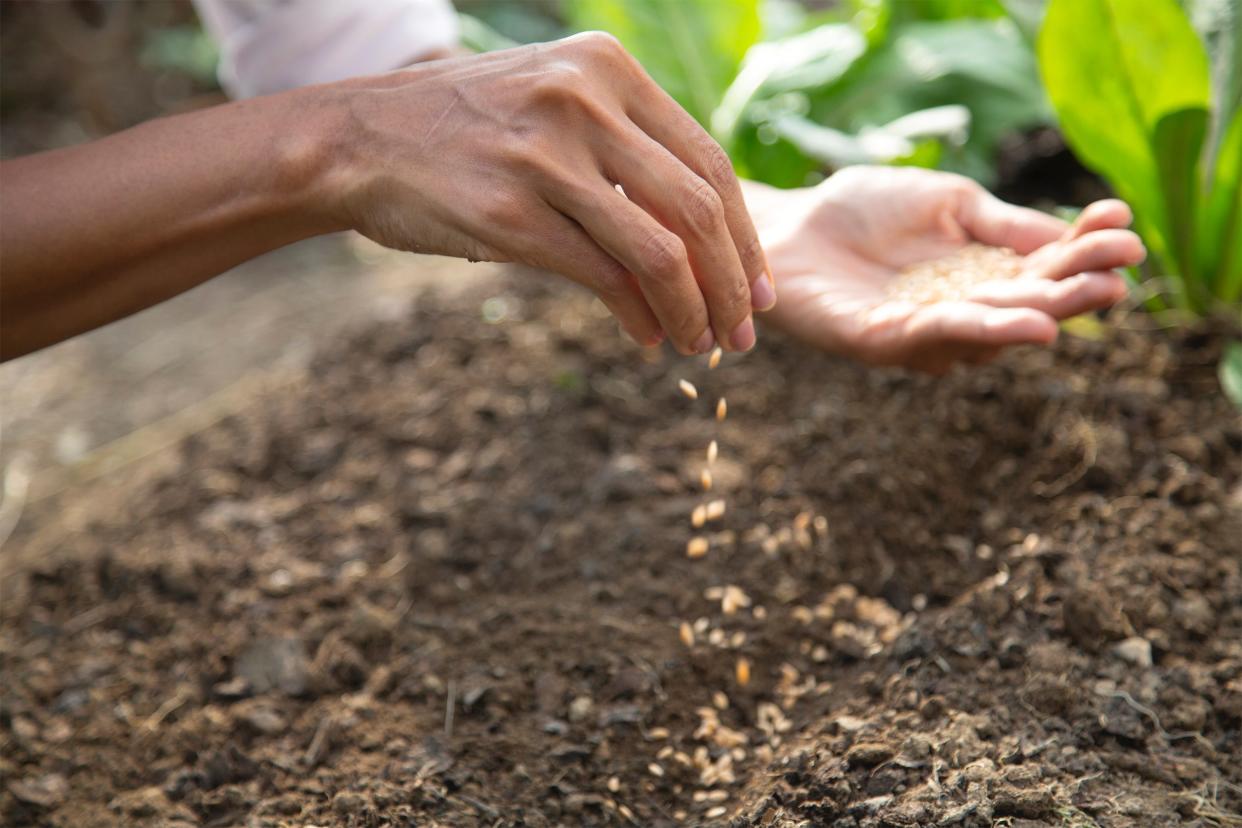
(687, 634)
(743, 672)
(802, 521)
(714, 510)
(699, 516)
(714, 359)
(737, 639)
(614, 784)
(688, 389)
(713, 451)
(720, 700)
(697, 547)
(655, 770)
(705, 480)
(624, 810)
(716, 637)
(821, 524)
(722, 408)
(665, 752)
(657, 733)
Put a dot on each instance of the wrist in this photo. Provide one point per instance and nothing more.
(312, 157)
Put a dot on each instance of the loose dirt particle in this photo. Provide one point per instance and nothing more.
(705, 480)
(742, 672)
(714, 359)
(713, 450)
(688, 389)
(697, 547)
(722, 409)
(687, 634)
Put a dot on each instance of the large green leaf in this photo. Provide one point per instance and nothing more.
(692, 48)
(1220, 229)
(1113, 69)
(1177, 142)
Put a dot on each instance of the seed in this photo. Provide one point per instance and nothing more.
(624, 810)
(802, 521)
(705, 479)
(717, 812)
(713, 451)
(614, 784)
(657, 733)
(722, 408)
(697, 547)
(687, 634)
(720, 700)
(737, 639)
(742, 672)
(665, 752)
(714, 359)
(699, 516)
(655, 770)
(714, 510)
(821, 524)
(688, 389)
(716, 637)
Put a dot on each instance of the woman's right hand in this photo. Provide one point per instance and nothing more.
(514, 156)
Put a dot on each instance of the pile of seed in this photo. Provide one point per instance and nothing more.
(954, 276)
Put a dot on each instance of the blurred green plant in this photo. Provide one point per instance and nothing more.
(1147, 93)
(935, 83)
(692, 48)
(1139, 101)
(187, 49)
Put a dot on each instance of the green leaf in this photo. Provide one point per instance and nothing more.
(692, 48)
(1230, 373)
(477, 36)
(1113, 69)
(1220, 236)
(1177, 142)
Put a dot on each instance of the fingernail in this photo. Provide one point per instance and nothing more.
(705, 342)
(743, 336)
(762, 294)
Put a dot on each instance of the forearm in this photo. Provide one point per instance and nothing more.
(91, 233)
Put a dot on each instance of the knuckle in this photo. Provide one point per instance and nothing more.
(736, 296)
(662, 254)
(753, 257)
(702, 207)
(599, 43)
(717, 166)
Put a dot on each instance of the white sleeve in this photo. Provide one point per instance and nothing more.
(271, 45)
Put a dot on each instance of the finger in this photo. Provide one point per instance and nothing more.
(687, 205)
(992, 221)
(972, 323)
(1100, 250)
(672, 127)
(1106, 214)
(1059, 299)
(652, 253)
(564, 247)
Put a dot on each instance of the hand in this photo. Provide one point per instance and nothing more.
(515, 156)
(835, 248)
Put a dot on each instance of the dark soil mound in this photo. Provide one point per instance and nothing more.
(444, 582)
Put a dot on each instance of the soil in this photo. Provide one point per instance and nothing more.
(442, 581)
